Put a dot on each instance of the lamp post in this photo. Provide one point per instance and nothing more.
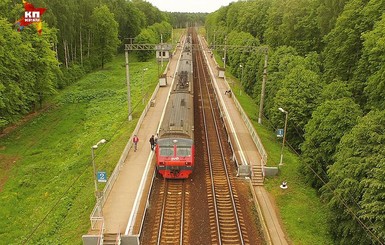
(284, 134)
(141, 89)
(102, 141)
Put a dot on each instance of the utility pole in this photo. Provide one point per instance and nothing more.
(128, 87)
(224, 58)
(263, 88)
(161, 46)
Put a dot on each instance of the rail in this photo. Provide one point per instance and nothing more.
(247, 121)
(227, 221)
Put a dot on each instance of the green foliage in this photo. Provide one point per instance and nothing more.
(336, 90)
(105, 35)
(299, 97)
(28, 70)
(371, 63)
(152, 35)
(294, 85)
(304, 216)
(179, 20)
(355, 192)
(293, 23)
(243, 63)
(130, 19)
(328, 12)
(153, 15)
(48, 160)
(344, 44)
(323, 132)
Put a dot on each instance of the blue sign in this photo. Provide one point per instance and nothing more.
(102, 177)
(280, 133)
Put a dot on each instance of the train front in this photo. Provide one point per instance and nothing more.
(175, 157)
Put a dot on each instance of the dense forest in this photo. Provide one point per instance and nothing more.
(77, 37)
(326, 69)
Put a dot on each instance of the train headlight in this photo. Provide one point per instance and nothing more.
(188, 163)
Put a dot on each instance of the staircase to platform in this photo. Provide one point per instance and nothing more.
(257, 177)
(111, 239)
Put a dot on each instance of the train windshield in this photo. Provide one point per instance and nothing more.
(183, 152)
(183, 147)
(166, 151)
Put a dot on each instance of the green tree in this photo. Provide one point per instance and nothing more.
(356, 190)
(253, 17)
(298, 95)
(15, 76)
(344, 44)
(276, 75)
(153, 14)
(105, 35)
(328, 12)
(335, 90)
(323, 132)
(293, 23)
(371, 66)
(146, 36)
(42, 65)
(130, 19)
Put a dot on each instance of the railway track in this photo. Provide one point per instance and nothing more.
(170, 226)
(226, 222)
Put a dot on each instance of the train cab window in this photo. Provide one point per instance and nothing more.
(166, 151)
(183, 152)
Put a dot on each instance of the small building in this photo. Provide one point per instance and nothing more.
(163, 51)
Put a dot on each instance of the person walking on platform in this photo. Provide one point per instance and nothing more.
(135, 140)
(156, 139)
(152, 142)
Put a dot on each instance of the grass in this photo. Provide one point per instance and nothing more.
(303, 215)
(46, 178)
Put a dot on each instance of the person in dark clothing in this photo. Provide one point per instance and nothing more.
(156, 139)
(152, 142)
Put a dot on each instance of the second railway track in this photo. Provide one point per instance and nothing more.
(227, 225)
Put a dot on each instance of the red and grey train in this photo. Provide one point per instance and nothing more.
(175, 147)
